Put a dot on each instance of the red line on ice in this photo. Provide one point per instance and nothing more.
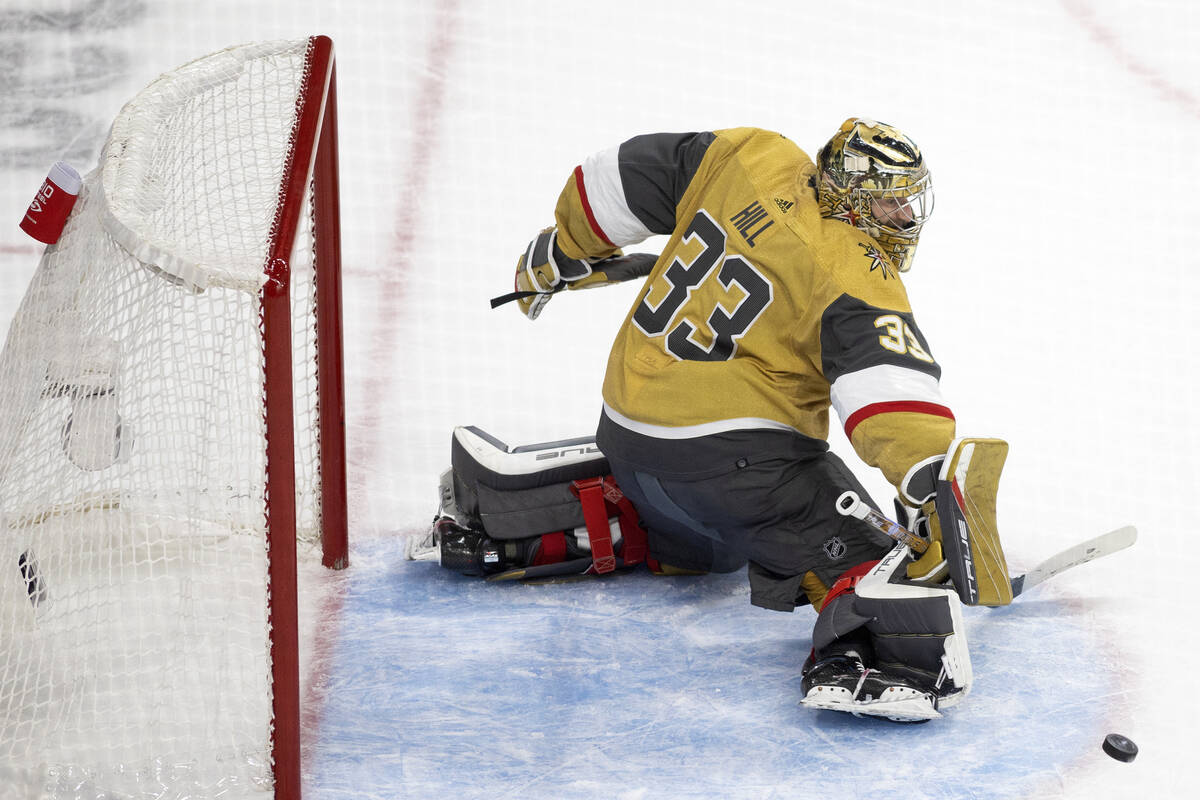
(390, 285)
(389, 288)
(1103, 35)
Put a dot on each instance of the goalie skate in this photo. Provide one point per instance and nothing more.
(423, 546)
(842, 683)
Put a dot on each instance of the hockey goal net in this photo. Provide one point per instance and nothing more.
(170, 428)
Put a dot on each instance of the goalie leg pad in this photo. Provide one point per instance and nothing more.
(888, 646)
(917, 631)
(838, 618)
(531, 511)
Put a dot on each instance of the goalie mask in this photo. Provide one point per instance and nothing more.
(874, 177)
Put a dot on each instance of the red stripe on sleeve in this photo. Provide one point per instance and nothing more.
(912, 406)
(587, 207)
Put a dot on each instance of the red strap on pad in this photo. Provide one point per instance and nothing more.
(601, 500)
(847, 581)
(595, 516)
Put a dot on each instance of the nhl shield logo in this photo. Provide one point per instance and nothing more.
(835, 548)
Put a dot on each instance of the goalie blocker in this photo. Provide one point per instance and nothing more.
(957, 498)
(536, 511)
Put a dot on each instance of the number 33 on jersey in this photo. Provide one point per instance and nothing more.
(744, 294)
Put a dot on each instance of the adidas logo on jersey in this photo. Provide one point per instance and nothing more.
(784, 205)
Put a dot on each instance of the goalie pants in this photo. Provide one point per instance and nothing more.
(778, 515)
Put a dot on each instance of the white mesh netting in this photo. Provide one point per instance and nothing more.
(133, 556)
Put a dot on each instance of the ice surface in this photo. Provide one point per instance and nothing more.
(1057, 283)
(642, 686)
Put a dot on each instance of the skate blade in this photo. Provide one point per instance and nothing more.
(895, 704)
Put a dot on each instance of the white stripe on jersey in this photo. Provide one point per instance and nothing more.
(692, 431)
(606, 196)
(885, 383)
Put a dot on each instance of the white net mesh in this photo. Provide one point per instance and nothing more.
(133, 553)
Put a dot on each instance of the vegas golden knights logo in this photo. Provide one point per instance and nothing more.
(878, 261)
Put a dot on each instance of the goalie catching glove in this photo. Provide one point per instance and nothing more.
(544, 270)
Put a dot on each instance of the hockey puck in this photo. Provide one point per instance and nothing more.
(1120, 747)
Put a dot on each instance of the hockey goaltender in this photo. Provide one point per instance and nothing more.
(777, 295)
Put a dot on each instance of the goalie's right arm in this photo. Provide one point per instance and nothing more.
(615, 198)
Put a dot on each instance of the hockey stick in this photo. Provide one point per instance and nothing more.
(1103, 545)
(849, 504)
(618, 268)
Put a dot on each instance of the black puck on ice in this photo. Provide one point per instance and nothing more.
(1120, 747)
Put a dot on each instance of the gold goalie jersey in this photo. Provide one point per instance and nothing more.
(758, 315)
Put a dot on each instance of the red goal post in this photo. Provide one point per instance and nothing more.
(315, 141)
